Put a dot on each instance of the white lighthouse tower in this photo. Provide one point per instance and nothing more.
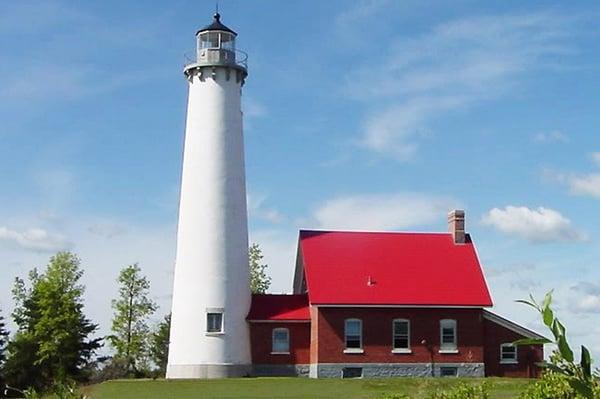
(211, 293)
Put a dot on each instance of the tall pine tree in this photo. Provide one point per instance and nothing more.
(130, 329)
(53, 341)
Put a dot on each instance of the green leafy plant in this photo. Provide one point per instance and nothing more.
(463, 391)
(393, 396)
(579, 376)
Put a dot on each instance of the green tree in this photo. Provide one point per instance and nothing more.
(259, 279)
(159, 344)
(52, 340)
(130, 329)
(3, 343)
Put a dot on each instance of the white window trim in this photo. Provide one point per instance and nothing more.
(287, 331)
(448, 323)
(353, 350)
(400, 350)
(215, 333)
(509, 361)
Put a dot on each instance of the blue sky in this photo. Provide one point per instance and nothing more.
(378, 115)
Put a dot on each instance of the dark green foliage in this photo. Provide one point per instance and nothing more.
(578, 376)
(52, 340)
(3, 344)
(259, 280)
(130, 329)
(159, 345)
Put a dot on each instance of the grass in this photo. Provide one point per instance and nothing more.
(294, 388)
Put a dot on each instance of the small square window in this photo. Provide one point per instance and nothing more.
(214, 322)
(281, 340)
(448, 371)
(508, 353)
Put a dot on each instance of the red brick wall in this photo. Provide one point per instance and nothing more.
(527, 356)
(260, 340)
(377, 335)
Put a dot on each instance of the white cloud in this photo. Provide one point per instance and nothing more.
(382, 211)
(588, 185)
(257, 209)
(348, 20)
(534, 225)
(555, 136)
(35, 239)
(455, 66)
(254, 109)
(587, 299)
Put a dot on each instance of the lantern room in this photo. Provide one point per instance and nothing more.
(216, 44)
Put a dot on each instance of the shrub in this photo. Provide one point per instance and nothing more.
(463, 391)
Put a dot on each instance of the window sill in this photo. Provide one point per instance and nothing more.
(354, 351)
(448, 351)
(280, 353)
(509, 362)
(402, 351)
(214, 334)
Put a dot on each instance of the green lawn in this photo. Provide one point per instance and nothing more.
(292, 388)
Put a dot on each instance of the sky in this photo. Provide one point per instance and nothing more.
(360, 115)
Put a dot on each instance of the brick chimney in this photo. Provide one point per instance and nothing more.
(456, 225)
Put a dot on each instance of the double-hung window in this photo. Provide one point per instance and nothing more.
(281, 341)
(353, 336)
(401, 332)
(508, 354)
(448, 341)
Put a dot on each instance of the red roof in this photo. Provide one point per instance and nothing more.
(279, 307)
(361, 268)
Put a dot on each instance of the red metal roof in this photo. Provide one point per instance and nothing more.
(364, 268)
(279, 307)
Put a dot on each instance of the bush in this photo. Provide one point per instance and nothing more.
(463, 391)
(550, 386)
(394, 396)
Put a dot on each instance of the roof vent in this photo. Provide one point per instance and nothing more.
(456, 225)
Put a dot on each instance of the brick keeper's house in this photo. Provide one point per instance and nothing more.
(379, 304)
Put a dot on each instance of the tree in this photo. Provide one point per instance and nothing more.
(3, 343)
(159, 344)
(52, 340)
(259, 279)
(130, 321)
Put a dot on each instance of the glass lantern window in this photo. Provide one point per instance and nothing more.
(227, 41)
(209, 40)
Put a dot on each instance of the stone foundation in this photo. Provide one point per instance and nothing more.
(383, 370)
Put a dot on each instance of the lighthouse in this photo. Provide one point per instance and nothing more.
(211, 292)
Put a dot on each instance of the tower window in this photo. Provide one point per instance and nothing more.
(214, 322)
(281, 341)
